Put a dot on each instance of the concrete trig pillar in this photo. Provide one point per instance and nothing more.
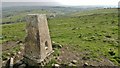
(38, 45)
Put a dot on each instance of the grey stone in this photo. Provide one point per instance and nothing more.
(19, 52)
(37, 41)
(85, 64)
(56, 45)
(56, 65)
(8, 54)
(74, 61)
(22, 66)
(71, 64)
(18, 42)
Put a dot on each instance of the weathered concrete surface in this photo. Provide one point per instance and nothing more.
(37, 42)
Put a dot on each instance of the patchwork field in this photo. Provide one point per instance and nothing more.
(89, 37)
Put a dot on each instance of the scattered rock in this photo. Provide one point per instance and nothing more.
(56, 45)
(74, 61)
(77, 28)
(63, 65)
(86, 58)
(71, 64)
(18, 42)
(21, 44)
(53, 41)
(108, 36)
(60, 46)
(56, 65)
(22, 48)
(85, 64)
(2, 37)
(19, 52)
(56, 57)
(8, 54)
(3, 61)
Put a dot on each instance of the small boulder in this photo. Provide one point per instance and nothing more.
(56, 45)
(19, 52)
(53, 41)
(71, 64)
(21, 44)
(85, 64)
(18, 42)
(8, 54)
(74, 61)
(56, 65)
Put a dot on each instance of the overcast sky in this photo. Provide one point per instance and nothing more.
(73, 2)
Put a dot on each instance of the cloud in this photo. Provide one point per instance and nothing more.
(28, 0)
(89, 2)
(72, 2)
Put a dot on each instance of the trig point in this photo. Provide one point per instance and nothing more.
(38, 47)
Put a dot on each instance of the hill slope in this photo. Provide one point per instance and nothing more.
(89, 38)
